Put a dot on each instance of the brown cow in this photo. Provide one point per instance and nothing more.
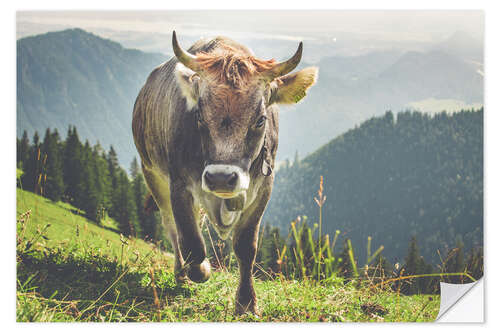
(206, 127)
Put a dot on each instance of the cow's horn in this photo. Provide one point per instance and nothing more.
(285, 67)
(186, 58)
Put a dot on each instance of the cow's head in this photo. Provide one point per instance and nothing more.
(231, 91)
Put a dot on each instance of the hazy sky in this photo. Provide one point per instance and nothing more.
(418, 25)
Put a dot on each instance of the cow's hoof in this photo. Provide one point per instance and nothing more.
(199, 273)
(181, 274)
(181, 277)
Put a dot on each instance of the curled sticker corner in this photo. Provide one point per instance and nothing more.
(451, 294)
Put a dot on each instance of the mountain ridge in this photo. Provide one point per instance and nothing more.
(74, 77)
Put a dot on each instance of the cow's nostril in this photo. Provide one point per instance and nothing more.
(233, 179)
(208, 178)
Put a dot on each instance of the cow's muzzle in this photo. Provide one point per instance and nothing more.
(224, 181)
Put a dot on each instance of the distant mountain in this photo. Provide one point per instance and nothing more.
(436, 74)
(353, 89)
(74, 77)
(391, 178)
(26, 28)
(463, 45)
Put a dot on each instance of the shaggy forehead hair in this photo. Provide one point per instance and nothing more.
(231, 66)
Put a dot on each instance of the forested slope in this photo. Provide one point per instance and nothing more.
(390, 178)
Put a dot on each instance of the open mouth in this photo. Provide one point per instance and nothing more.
(225, 195)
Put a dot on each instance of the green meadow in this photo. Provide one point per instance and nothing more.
(70, 269)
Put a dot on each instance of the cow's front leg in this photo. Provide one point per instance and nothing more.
(190, 238)
(169, 224)
(245, 240)
(245, 248)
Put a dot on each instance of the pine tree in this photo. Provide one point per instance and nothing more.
(139, 190)
(23, 151)
(103, 181)
(412, 259)
(148, 223)
(19, 163)
(72, 165)
(32, 167)
(411, 267)
(416, 265)
(113, 169)
(272, 245)
(88, 197)
(113, 165)
(134, 168)
(152, 228)
(52, 169)
(125, 206)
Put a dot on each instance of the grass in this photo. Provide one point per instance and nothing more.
(74, 270)
(70, 229)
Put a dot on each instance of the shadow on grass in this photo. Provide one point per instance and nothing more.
(79, 212)
(84, 278)
(116, 231)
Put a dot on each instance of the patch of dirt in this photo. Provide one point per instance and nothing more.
(372, 308)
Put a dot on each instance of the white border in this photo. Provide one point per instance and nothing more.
(8, 132)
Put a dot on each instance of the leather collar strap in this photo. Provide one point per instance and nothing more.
(266, 167)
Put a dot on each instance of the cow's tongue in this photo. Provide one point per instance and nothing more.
(230, 209)
(236, 203)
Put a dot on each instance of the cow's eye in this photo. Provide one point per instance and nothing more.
(261, 121)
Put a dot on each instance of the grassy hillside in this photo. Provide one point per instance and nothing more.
(68, 229)
(69, 269)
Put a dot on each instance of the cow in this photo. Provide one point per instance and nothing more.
(205, 125)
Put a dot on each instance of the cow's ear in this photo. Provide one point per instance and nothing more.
(291, 88)
(189, 82)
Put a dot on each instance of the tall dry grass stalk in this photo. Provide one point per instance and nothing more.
(320, 201)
